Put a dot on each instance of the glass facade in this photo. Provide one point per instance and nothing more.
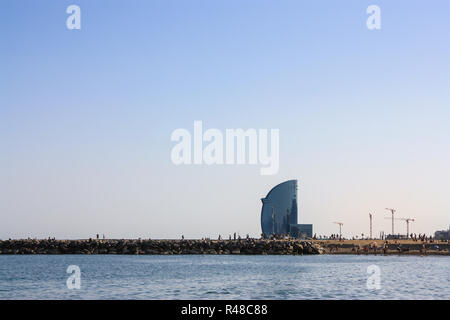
(279, 209)
(302, 231)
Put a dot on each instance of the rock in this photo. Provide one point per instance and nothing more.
(251, 246)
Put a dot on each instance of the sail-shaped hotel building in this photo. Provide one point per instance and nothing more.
(279, 213)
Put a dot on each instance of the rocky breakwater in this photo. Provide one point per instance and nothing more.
(166, 247)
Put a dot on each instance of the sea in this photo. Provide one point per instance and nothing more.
(206, 277)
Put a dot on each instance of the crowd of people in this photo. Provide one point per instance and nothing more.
(414, 237)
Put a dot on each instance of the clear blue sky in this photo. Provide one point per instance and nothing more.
(86, 115)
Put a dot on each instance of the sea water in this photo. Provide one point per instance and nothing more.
(225, 277)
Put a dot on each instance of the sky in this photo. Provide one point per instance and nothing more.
(86, 115)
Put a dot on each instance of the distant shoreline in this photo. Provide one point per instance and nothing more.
(393, 247)
(221, 247)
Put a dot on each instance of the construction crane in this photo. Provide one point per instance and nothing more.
(392, 211)
(370, 217)
(340, 228)
(407, 225)
(408, 220)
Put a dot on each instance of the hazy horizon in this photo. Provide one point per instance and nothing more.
(86, 115)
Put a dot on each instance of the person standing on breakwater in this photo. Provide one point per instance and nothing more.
(374, 247)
